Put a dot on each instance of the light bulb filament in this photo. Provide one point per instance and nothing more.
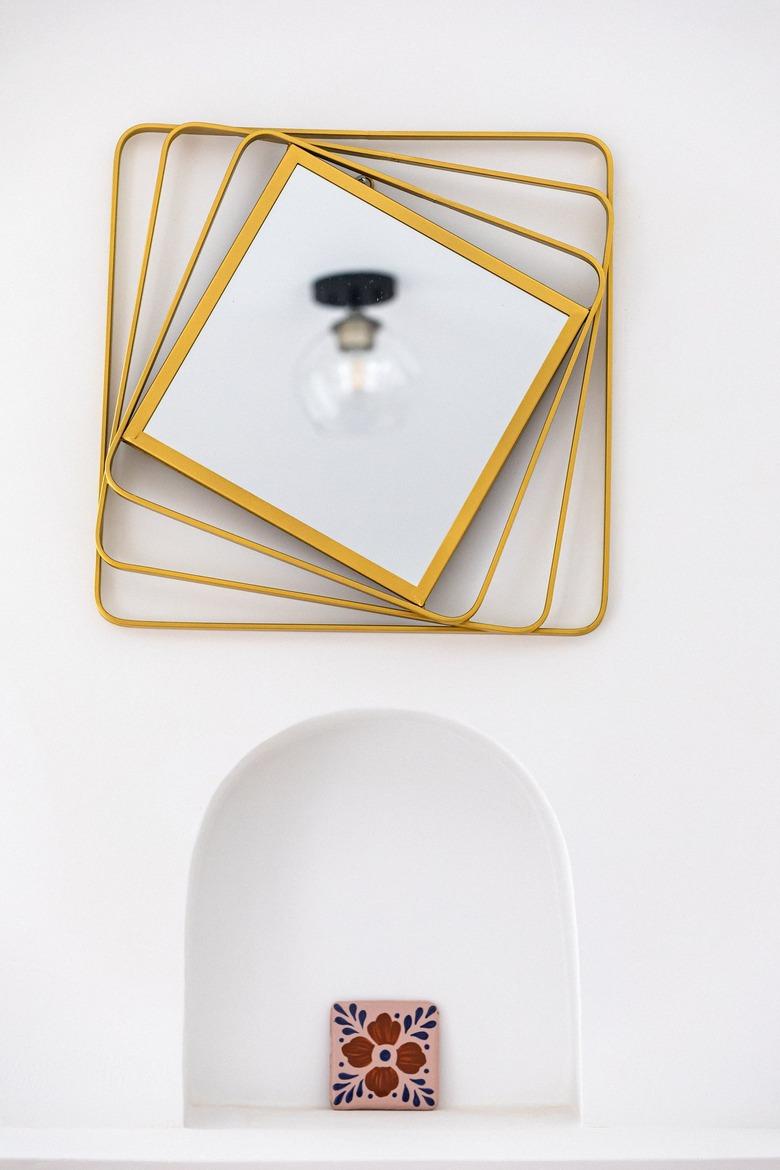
(358, 375)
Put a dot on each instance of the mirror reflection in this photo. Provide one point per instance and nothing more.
(358, 379)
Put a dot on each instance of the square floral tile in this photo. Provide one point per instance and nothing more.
(384, 1054)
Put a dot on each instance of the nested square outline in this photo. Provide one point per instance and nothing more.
(331, 149)
(138, 436)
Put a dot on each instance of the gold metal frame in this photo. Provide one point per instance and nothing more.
(294, 159)
(596, 311)
(331, 601)
(431, 615)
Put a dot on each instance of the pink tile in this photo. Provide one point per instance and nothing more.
(384, 1054)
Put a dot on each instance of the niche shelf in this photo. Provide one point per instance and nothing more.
(379, 854)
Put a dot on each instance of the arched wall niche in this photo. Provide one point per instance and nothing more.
(379, 854)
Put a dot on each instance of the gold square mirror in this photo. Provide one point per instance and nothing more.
(356, 374)
(376, 452)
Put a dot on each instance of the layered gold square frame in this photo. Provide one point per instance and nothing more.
(377, 600)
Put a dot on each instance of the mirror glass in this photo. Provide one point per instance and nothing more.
(355, 374)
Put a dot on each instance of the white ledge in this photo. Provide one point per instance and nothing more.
(319, 1138)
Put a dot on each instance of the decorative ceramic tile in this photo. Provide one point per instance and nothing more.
(384, 1054)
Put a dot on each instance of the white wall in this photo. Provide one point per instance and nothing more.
(654, 739)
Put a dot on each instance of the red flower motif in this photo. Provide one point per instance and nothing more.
(358, 1052)
(383, 1030)
(410, 1057)
(382, 1079)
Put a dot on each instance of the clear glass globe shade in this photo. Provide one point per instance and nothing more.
(357, 391)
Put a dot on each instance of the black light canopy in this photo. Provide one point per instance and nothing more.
(354, 290)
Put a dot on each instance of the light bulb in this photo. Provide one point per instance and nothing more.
(356, 379)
